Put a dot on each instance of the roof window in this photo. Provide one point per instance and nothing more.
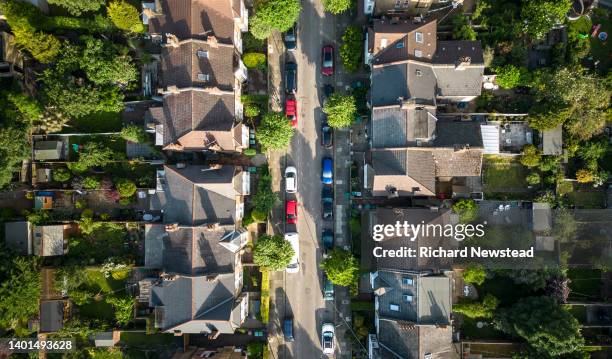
(407, 281)
(394, 307)
(418, 37)
(202, 54)
(407, 298)
(204, 77)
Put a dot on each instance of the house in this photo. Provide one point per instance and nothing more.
(195, 194)
(409, 63)
(52, 315)
(44, 240)
(199, 290)
(399, 8)
(48, 150)
(552, 141)
(412, 316)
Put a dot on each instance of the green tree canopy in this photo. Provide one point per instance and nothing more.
(351, 48)
(540, 16)
(530, 156)
(126, 188)
(471, 309)
(475, 274)
(14, 132)
(93, 154)
(462, 29)
(508, 76)
(77, 7)
(103, 64)
(274, 132)
(337, 6)
(273, 15)
(272, 252)
(544, 324)
(467, 209)
(340, 109)
(134, 133)
(264, 199)
(341, 267)
(125, 16)
(19, 294)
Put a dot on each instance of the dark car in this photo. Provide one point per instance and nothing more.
(327, 238)
(327, 140)
(327, 91)
(291, 77)
(327, 203)
(327, 60)
(290, 38)
(328, 289)
(288, 329)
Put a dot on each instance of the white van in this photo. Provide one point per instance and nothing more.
(294, 265)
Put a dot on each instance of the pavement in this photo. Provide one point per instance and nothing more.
(299, 295)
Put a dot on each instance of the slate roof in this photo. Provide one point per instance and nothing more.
(17, 236)
(197, 195)
(398, 338)
(189, 250)
(409, 172)
(394, 126)
(196, 118)
(195, 304)
(180, 66)
(195, 19)
(385, 88)
(458, 133)
(51, 315)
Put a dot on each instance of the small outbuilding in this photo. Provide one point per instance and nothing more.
(48, 150)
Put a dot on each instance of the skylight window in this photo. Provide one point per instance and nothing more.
(418, 36)
(407, 298)
(394, 307)
(204, 77)
(407, 281)
(202, 54)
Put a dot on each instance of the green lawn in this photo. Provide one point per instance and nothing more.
(585, 283)
(97, 281)
(504, 289)
(469, 330)
(94, 123)
(601, 49)
(97, 310)
(142, 339)
(588, 200)
(503, 175)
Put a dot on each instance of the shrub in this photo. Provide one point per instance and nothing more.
(470, 309)
(474, 274)
(247, 220)
(251, 110)
(80, 203)
(125, 201)
(124, 16)
(585, 175)
(250, 152)
(533, 178)
(259, 216)
(91, 182)
(467, 209)
(134, 133)
(254, 60)
(351, 48)
(125, 188)
(508, 76)
(252, 44)
(62, 175)
(531, 156)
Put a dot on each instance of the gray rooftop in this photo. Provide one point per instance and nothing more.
(389, 84)
(458, 133)
(552, 141)
(51, 315)
(17, 236)
(403, 340)
(397, 127)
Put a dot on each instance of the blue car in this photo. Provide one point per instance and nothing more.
(327, 171)
(288, 329)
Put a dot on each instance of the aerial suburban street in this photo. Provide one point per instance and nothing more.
(300, 295)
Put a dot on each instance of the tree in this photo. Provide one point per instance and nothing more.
(251, 110)
(254, 60)
(14, 143)
(272, 252)
(533, 179)
(43, 47)
(124, 309)
(474, 274)
(472, 309)
(467, 209)
(134, 134)
(337, 6)
(93, 154)
(273, 15)
(77, 7)
(29, 108)
(593, 151)
(19, 294)
(540, 16)
(530, 156)
(274, 132)
(508, 76)
(565, 225)
(351, 48)
(462, 29)
(124, 16)
(62, 175)
(340, 109)
(547, 328)
(126, 188)
(104, 65)
(341, 267)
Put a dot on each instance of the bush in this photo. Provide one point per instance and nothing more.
(61, 175)
(533, 178)
(260, 99)
(508, 76)
(250, 152)
(351, 48)
(254, 60)
(125, 188)
(125, 201)
(134, 133)
(91, 182)
(467, 209)
(251, 110)
(470, 309)
(247, 220)
(252, 44)
(531, 156)
(80, 203)
(474, 274)
(259, 216)
(585, 175)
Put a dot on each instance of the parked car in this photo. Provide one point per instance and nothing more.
(291, 110)
(288, 329)
(327, 202)
(294, 264)
(291, 77)
(328, 289)
(290, 38)
(291, 211)
(327, 140)
(290, 179)
(327, 338)
(327, 171)
(327, 237)
(327, 60)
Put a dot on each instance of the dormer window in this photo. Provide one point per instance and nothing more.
(407, 298)
(418, 37)
(202, 54)
(204, 77)
(407, 281)
(418, 53)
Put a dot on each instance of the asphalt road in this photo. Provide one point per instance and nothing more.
(303, 290)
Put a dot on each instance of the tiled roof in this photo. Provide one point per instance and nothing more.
(460, 163)
(187, 64)
(400, 37)
(408, 172)
(394, 126)
(398, 338)
(195, 19)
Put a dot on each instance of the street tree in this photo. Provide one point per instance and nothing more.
(337, 6)
(540, 16)
(272, 252)
(274, 132)
(341, 267)
(273, 15)
(77, 7)
(340, 109)
(548, 328)
(351, 48)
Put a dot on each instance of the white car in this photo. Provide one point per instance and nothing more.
(327, 338)
(290, 179)
(294, 265)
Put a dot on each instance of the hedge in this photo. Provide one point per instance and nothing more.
(254, 60)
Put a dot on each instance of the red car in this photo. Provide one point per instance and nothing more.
(291, 110)
(327, 60)
(291, 211)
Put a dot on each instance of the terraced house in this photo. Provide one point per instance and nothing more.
(201, 75)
